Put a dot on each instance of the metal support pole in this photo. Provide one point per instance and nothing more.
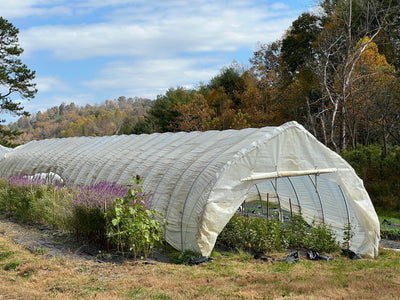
(319, 199)
(277, 196)
(348, 226)
(259, 195)
(295, 193)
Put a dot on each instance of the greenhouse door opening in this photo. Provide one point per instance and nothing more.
(312, 196)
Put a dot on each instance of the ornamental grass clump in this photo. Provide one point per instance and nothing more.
(33, 200)
(89, 206)
(18, 193)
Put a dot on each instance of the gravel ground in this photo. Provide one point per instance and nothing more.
(390, 244)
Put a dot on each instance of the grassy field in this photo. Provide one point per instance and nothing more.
(24, 275)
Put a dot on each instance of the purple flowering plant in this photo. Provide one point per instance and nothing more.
(89, 206)
(85, 210)
(94, 206)
(99, 195)
(25, 180)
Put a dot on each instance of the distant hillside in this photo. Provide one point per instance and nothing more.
(118, 116)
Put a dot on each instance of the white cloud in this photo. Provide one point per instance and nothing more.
(81, 42)
(167, 28)
(104, 3)
(49, 84)
(150, 77)
(25, 8)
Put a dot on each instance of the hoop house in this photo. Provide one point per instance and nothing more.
(198, 180)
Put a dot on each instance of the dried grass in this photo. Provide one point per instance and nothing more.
(228, 277)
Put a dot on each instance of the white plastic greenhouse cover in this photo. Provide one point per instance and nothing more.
(3, 151)
(198, 180)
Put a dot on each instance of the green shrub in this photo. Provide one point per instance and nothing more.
(234, 235)
(266, 235)
(300, 234)
(380, 173)
(255, 234)
(130, 225)
(260, 235)
(323, 239)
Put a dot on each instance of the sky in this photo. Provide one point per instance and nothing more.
(89, 51)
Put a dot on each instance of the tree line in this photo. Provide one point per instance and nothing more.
(335, 71)
(118, 116)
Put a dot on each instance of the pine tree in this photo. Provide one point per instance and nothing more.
(15, 78)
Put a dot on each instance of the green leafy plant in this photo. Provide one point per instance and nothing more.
(98, 212)
(183, 258)
(130, 225)
(12, 265)
(297, 232)
(323, 238)
(300, 234)
(265, 235)
(252, 234)
(268, 235)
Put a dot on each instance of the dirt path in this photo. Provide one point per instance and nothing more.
(44, 240)
(40, 239)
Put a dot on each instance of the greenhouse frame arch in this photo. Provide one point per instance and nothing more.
(198, 180)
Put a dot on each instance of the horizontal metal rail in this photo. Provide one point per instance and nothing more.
(279, 174)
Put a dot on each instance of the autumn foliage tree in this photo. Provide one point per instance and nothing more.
(193, 116)
(372, 105)
(112, 117)
(339, 49)
(329, 74)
